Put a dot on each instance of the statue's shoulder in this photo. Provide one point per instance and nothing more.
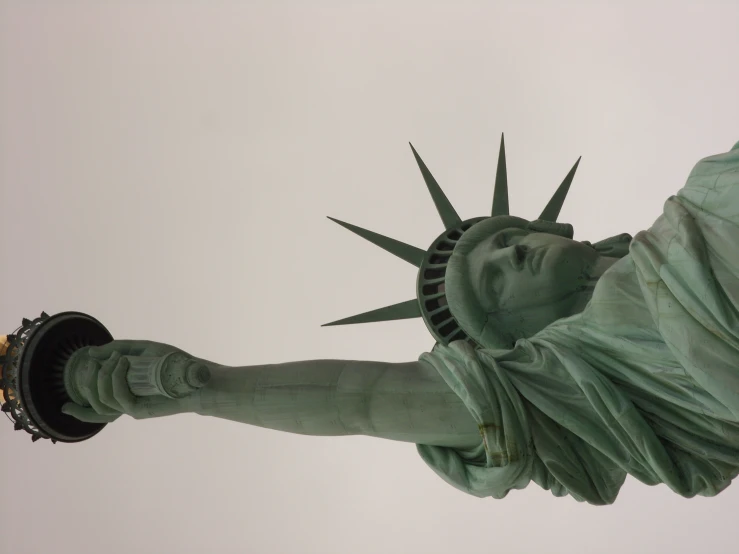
(462, 351)
(717, 164)
(713, 185)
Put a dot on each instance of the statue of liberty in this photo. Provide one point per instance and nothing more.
(567, 363)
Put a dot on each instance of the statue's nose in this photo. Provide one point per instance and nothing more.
(518, 256)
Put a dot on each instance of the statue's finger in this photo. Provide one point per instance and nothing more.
(105, 386)
(122, 347)
(92, 391)
(103, 352)
(86, 414)
(121, 392)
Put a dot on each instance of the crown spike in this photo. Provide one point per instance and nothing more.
(551, 212)
(448, 214)
(500, 193)
(403, 310)
(409, 253)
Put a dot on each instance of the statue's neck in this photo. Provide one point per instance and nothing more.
(537, 317)
(601, 265)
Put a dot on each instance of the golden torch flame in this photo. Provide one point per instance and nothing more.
(3, 350)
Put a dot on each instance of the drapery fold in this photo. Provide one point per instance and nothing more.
(645, 381)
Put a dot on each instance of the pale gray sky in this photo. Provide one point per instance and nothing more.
(167, 166)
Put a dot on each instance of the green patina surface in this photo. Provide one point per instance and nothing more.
(570, 364)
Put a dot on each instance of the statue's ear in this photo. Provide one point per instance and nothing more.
(614, 247)
(552, 227)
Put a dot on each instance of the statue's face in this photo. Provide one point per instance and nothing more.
(527, 280)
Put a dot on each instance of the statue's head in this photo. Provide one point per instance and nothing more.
(492, 280)
(508, 278)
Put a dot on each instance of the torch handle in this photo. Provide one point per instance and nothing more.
(174, 375)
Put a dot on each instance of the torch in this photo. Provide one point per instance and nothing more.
(38, 375)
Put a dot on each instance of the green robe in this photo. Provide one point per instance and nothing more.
(645, 381)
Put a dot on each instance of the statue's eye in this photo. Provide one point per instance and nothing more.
(507, 238)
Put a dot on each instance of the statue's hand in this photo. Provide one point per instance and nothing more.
(106, 387)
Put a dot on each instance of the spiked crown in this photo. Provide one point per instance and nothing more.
(431, 303)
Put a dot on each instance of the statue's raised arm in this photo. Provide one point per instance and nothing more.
(566, 363)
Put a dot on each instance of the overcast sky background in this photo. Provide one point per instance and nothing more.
(167, 167)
